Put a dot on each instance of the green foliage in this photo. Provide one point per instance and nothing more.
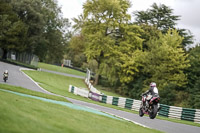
(110, 40)
(33, 26)
(194, 71)
(168, 94)
(135, 88)
(194, 77)
(150, 33)
(131, 56)
(166, 60)
(75, 50)
(162, 17)
(13, 30)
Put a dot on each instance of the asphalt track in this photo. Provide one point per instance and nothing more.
(18, 78)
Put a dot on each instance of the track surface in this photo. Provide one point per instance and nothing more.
(17, 78)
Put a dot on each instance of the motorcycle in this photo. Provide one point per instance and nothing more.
(5, 77)
(150, 108)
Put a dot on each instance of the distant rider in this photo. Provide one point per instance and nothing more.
(5, 74)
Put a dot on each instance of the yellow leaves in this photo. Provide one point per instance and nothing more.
(130, 65)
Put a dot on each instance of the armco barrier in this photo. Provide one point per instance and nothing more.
(132, 104)
(164, 111)
(95, 96)
(115, 101)
(188, 114)
(121, 102)
(175, 112)
(136, 105)
(104, 99)
(91, 87)
(109, 99)
(78, 91)
(197, 116)
(129, 103)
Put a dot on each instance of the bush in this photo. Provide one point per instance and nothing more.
(168, 94)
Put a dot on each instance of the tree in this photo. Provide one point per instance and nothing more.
(194, 77)
(162, 17)
(103, 20)
(13, 31)
(75, 50)
(79, 22)
(150, 33)
(46, 28)
(166, 60)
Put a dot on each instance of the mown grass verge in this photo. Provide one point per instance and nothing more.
(60, 69)
(22, 114)
(30, 92)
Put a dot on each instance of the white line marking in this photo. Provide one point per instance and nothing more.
(33, 80)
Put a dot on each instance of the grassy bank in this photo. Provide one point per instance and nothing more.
(22, 114)
(30, 92)
(55, 83)
(60, 69)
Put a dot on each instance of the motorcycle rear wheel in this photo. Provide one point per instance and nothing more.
(153, 112)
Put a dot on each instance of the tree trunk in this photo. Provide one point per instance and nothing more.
(96, 79)
(5, 51)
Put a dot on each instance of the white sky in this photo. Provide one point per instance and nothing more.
(187, 9)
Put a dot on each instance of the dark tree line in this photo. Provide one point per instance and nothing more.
(33, 26)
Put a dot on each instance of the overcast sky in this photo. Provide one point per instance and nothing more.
(187, 9)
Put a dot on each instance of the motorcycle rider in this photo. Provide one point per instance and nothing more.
(149, 93)
(5, 74)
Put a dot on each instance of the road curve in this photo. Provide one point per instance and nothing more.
(17, 78)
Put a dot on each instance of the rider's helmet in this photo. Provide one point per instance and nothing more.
(153, 84)
(6, 71)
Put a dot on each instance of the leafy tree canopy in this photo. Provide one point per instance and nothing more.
(166, 60)
(162, 17)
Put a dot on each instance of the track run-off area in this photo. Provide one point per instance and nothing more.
(18, 78)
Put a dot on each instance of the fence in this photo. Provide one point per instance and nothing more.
(24, 57)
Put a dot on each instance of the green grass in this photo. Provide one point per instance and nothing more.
(107, 91)
(30, 92)
(60, 69)
(26, 115)
(55, 83)
(60, 84)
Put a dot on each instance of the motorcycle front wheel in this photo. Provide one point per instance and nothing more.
(141, 112)
(4, 79)
(153, 112)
